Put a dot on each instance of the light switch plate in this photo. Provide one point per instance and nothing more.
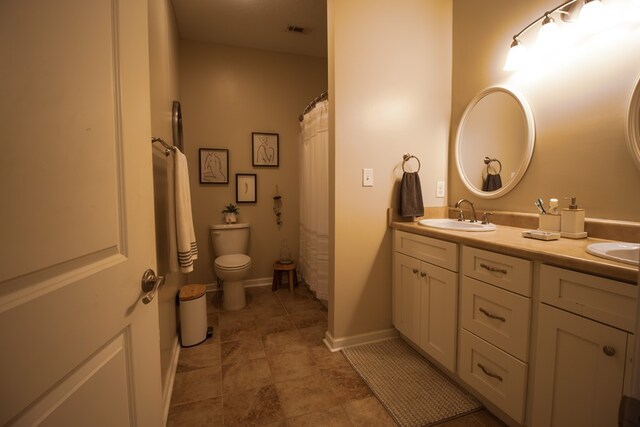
(367, 177)
(440, 189)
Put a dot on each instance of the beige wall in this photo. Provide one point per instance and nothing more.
(390, 79)
(579, 100)
(227, 93)
(163, 57)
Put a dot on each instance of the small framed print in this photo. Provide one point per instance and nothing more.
(246, 184)
(265, 149)
(214, 166)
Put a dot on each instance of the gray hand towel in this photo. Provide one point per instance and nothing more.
(492, 182)
(411, 195)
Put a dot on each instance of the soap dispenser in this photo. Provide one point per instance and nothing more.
(572, 221)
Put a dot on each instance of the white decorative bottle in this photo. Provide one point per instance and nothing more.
(572, 221)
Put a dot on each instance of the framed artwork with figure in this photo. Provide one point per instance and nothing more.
(265, 149)
(214, 166)
(246, 185)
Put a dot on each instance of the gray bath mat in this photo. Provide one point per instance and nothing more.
(414, 392)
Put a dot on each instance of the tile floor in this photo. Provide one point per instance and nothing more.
(266, 365)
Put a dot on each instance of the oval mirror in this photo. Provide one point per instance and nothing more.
(633, 125)
(494, 143)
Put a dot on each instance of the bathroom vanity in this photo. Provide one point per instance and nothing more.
(540, 332)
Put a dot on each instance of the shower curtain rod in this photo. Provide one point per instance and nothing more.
(309, 107)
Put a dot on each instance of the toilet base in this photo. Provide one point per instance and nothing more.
(233, 297)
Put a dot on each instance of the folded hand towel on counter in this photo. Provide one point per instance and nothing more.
(185, 235)
(411, 195)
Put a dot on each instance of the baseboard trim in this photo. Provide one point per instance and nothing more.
(168, 391)
(337, 344)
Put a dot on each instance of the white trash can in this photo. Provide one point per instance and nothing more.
(193, 315)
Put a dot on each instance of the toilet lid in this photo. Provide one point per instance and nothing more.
(233, 262)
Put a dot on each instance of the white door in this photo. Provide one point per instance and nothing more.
(407, 290)
(439, 313)
(579, 371)
(77, 345)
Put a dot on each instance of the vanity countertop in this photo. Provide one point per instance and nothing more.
(568, 253)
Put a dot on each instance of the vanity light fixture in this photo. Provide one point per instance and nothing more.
(548, 30)
(591, 11)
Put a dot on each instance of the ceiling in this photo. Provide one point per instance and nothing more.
(257, 24)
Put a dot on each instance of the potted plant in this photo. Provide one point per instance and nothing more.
(231, 213)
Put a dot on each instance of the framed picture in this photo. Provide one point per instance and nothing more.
(265, 149)
(246, 184)
(214, 166)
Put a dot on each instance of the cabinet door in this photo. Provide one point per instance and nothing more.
(438, 307)
(406, 292)
(579, 371)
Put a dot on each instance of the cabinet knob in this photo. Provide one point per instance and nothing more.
(415, 271)
(423, 274)
(608, 350)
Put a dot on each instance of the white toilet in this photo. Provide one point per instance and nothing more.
(231, 262)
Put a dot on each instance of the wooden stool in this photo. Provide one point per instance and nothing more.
(278, 269)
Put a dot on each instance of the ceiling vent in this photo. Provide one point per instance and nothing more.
(298, 30)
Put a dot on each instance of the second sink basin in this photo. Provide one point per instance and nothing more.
(617, 251)
(453, 224)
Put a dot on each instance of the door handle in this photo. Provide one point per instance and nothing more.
(150, 284)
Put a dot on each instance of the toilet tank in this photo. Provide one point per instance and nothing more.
(230, 239)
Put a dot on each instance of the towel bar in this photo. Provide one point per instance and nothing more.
(406, 157)
(167, 148)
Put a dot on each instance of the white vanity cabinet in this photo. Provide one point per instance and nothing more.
(425, 294)
(495, 312)
(581, 354)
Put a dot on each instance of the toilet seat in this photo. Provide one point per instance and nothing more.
(232, 262)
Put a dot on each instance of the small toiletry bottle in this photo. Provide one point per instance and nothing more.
(550, 221)
(572, 221)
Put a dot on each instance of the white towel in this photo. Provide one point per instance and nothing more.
(185, 236)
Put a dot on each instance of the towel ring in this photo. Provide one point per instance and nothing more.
(488, 161)
(406, 158)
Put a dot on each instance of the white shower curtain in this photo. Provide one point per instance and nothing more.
(314, 199)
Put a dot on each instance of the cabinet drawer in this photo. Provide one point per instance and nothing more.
(607, 301)
(438, 252)
(507, 272)
(497, 376)
(498, 316)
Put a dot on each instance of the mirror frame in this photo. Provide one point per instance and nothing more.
(530, 142)
(633, 125)
(176, 124)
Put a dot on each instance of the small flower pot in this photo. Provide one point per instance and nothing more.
(230, 218)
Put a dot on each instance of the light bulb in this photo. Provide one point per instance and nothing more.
(515, 57)
(548, 34)
(591, 12)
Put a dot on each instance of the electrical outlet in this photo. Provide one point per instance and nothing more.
(440, 189)
(367, 177)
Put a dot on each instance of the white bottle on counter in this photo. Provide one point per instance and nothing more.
(572, 221)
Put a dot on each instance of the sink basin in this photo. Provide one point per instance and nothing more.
(453, 224)
(617, 251)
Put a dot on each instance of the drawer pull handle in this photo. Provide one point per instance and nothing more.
(493, 269)
(423, 274)
(415, 271)
(608, 350)
(491, 315)
(489, 374)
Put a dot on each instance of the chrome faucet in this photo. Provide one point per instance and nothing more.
(473, 210)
